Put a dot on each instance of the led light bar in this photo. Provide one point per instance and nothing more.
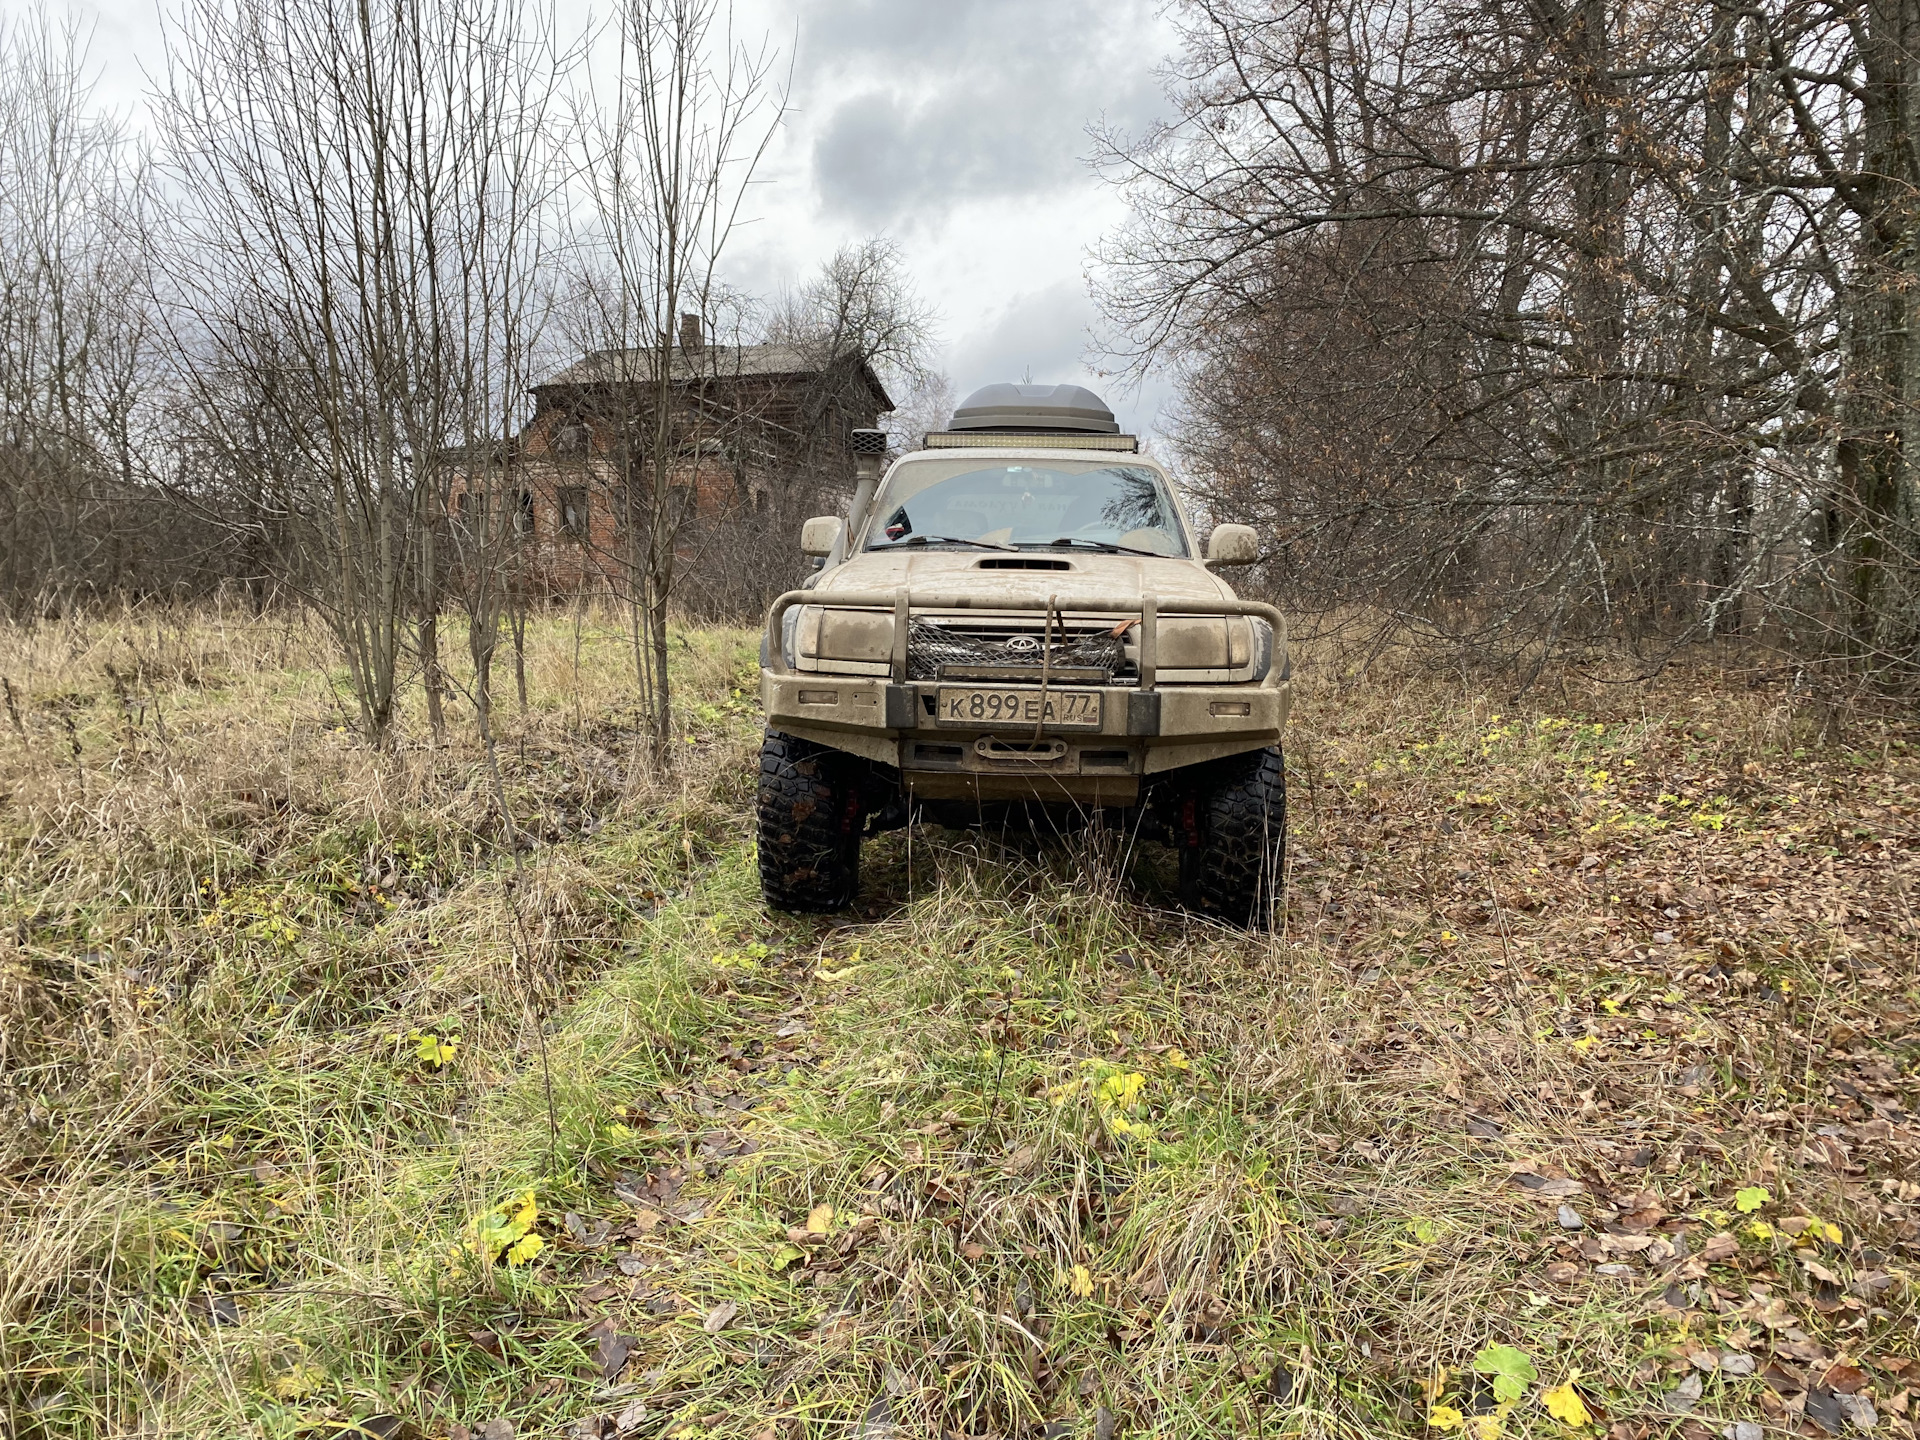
(1039, 440)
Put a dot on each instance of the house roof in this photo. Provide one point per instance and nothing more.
(710, 362)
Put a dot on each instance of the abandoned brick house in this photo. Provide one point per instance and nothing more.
(755, 429)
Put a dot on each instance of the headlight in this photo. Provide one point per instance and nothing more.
(1262, 647)
(789, 635)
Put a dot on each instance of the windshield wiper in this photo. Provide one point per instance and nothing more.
(1105, 546)
(939, 540)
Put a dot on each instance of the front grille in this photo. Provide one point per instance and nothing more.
(1017, 645)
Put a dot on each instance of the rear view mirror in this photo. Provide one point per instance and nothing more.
(820, 534)
(1233, 545)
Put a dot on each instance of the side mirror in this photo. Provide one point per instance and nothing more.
(820, 534)
(1233, 545)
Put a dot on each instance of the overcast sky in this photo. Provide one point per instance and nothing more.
(958, 127)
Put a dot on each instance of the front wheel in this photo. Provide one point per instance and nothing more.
(810, 810)
(1232, 833)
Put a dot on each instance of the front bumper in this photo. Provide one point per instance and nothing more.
(1144, 727)
(1140, 732)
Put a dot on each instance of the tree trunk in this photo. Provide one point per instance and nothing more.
(1879, 417)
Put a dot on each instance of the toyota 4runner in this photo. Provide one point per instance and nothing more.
(1017, 617)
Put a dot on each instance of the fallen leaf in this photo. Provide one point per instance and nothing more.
(819, 1219)
(1080, 1281)
(720, 1316)
(1823, 1408)
(299, 1382)
(1280, 1384)
(1684, 1396)
(1845, 1379)
(1563, 1402)
(1511, 1370)
(1751, 1198)
(646, 1220)
(877, 1423)
(612, 1351)
(1721, 1247)
(1859, 1409)
(973, 1250)
(381, 1427)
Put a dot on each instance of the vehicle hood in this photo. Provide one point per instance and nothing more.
(960, 573)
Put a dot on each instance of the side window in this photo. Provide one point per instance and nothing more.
(523, 513)
(573, 511)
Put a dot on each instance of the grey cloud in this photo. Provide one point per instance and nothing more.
(916, 107)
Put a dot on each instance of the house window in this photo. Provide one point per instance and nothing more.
(523, 513)
(573, 511)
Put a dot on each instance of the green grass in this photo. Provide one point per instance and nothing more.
(1013, 1144)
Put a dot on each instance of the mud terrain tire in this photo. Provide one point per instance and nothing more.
(809, 814)
(1234, 864)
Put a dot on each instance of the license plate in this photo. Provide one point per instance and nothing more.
(1065, 709)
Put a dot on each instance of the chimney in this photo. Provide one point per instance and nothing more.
(690, 338)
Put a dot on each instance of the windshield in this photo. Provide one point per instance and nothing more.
(1027, 503)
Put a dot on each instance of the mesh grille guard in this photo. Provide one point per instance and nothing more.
(931, 647)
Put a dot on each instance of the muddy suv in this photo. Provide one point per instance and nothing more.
(1016, 622)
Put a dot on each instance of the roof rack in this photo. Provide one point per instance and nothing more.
(1029, 440)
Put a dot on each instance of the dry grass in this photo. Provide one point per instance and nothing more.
(1070, 1157)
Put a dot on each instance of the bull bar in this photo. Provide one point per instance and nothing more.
(903, 601)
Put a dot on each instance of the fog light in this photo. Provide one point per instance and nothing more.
(1230, 707)
(819, 697)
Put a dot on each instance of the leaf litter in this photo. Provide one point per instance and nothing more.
(1510, 991)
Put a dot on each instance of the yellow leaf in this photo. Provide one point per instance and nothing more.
(1080, 1281)
(1445, 1417)
(299, 1382)
(495, 1230)
(1488, 1427)
(1563, 1402)
(819, 1219)
(1177, 1060)
(524, 1249)
(528, 1212)
(1121, 1092)
(430, 1050)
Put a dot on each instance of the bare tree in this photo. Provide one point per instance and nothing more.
(74, 333)
(357, 185)
(668, 161)
(1539, 322)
